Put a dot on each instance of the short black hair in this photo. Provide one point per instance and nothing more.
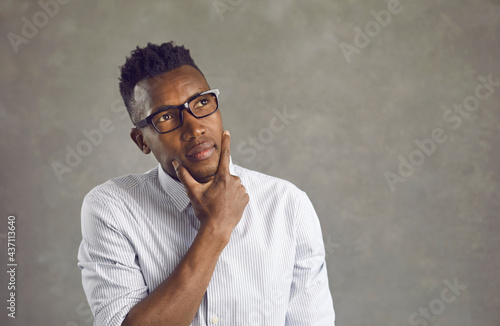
(148, 62)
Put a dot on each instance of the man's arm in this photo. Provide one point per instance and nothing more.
(111, 275)
(176, 300)
(219, 206)
(310, 298)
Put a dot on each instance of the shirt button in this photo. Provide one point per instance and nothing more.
(214, 320)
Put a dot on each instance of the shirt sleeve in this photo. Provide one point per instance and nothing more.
(111, 276)
(310, 298)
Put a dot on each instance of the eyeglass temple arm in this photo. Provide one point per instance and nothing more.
(142, 123)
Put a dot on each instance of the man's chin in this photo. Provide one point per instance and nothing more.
(205, 179)
(203, 175)
(203, 171)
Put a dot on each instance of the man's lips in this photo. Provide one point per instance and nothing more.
(201, 151)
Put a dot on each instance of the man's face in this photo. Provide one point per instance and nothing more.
(195, 144)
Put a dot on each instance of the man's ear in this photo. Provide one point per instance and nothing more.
(138, 138)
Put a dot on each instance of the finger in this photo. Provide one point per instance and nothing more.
(185, 178)
(225, 152)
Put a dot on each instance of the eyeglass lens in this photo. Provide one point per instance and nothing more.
(200, 106)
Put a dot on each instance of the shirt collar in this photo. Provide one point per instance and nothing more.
(175, 189)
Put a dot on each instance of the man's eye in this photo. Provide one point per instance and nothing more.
(201, 103)
(165, 117)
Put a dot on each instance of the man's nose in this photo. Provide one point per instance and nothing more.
(191, 127)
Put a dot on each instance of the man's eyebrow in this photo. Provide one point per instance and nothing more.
(164, 107)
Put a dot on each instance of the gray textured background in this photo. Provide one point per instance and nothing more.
(388, 252)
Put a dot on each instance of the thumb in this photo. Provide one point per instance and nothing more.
(185, 178)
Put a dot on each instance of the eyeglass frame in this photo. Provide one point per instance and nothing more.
(185, 106)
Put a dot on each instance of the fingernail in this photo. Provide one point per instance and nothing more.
(226, 132)
(175, 164)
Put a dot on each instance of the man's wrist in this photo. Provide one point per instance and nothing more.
(218, 236)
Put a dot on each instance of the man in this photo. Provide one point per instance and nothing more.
(197, 240)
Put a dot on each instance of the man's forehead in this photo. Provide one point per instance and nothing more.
(171, 79)
(175, 78)
(170, 88)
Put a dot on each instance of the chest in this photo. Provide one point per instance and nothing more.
(260, 254)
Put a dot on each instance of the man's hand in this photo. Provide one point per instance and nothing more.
(219, 203)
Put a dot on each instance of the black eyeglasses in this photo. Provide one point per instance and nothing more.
(170, 118)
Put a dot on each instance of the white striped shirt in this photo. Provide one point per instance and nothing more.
(137, 228)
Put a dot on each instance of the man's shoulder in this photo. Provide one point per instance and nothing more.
(265, 182)
(124, 184)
